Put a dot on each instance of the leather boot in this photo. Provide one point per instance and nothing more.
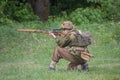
(85, 67)
(52, 65)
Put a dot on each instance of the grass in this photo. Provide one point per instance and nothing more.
(26, 56)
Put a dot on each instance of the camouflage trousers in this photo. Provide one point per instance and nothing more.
(64, 53)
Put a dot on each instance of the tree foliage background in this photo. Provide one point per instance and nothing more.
(84, 11)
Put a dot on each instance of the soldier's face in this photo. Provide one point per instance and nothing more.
(65, 31)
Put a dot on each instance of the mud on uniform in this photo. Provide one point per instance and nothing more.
(69, 49)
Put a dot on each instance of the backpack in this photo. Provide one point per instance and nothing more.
(84, 38)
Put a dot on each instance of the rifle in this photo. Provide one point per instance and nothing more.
(54, 31)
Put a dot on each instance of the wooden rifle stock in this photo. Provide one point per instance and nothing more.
(40, 31)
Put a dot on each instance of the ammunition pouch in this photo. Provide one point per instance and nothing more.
(81, 52)
(85, 56)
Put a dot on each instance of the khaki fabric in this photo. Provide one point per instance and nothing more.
(85, 55)
(82, 52)
(63, 53)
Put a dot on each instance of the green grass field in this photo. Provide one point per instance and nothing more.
(26, 56)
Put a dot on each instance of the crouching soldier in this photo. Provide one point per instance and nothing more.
(71, 48)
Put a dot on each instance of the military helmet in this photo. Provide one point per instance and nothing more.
(67, 25)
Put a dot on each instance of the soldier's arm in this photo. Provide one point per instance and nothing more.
(65, 41)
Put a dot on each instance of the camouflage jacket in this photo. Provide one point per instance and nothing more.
(69, 40)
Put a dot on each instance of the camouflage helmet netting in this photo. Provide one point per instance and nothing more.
(67, 25)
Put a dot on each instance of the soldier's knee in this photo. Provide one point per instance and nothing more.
(59, 48)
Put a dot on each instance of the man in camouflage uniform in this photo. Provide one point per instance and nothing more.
(69, 49)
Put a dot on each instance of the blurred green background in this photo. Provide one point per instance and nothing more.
(26, 56)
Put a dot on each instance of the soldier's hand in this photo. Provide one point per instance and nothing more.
(52, 34)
